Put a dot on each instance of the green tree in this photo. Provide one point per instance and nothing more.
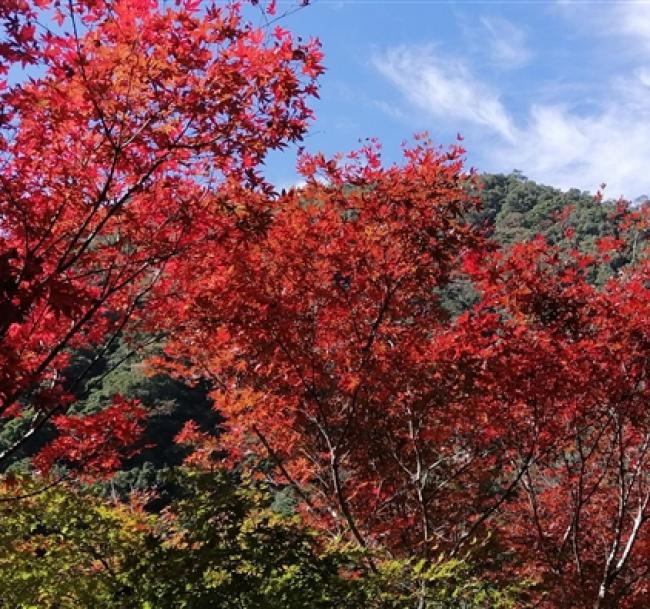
(219, 544)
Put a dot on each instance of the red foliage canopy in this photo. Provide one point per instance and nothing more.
(328, 343)
(576, 363)
(124, 150)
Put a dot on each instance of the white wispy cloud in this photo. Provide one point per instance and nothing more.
(554, 143)
(632, 19)
(626, 22)
(444, 88)
(566, 149)
(505, 42)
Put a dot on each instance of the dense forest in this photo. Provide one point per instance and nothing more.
(402, 386)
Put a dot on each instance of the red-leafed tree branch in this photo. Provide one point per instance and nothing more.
(135, 141)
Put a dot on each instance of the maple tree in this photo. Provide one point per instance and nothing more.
(575, 365)
(134, 136)
(326, 343)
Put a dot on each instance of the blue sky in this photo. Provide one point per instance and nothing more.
(559, 89)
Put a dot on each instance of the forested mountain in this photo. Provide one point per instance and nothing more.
(121, 369)
(517, 209)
